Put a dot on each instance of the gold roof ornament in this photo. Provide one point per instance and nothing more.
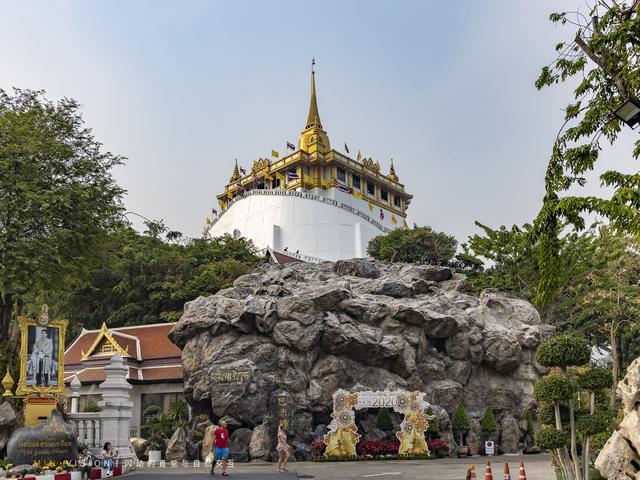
(313, 138)
(392, 172)
(236, 173)
(104, 334)
(8, 382)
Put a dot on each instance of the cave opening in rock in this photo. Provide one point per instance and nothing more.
(440, 345)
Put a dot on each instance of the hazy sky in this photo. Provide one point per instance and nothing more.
(444, 88)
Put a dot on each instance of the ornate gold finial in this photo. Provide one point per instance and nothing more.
(8, 382)
(314, 116)
(43, 319)
(313, 138)
(392, 173)
(236, 173)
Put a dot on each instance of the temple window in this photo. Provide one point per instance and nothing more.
(397, 201)
(355, 181)
(384, 195)
(342, 175)
(371, 189)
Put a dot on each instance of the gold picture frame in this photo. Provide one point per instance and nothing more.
(41, 356)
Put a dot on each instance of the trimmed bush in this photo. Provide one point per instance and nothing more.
(529, 419)
(563, 351)
(488, 422)
(91, 407)
(383, 420)
(552, 387)
(595, 379)
(433, 427)
(592, 424)
(551, 439)
(461, 419)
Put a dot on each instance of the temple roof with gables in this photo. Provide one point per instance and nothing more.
(145, 349)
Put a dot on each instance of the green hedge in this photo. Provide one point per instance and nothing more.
(551, 439)
(552, 387)
(595, 379)
(563, 351)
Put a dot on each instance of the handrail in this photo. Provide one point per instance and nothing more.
(308, 196)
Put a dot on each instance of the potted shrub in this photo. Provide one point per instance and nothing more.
(461, 425)
(153, 428)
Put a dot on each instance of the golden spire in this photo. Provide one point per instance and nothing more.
(313, 138)
(392, 173)
(236, 173)
(314, 116)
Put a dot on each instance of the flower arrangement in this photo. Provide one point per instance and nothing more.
(377, 448)
(438, 448)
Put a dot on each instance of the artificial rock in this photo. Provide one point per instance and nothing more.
(619, 459)
(302, 331)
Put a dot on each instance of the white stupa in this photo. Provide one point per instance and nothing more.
(314, 203)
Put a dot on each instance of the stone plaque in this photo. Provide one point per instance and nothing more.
(52, 440)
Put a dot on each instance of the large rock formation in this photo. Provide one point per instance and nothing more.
(619, 459)
(283, 339)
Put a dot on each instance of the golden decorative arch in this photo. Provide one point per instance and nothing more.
(105, 335)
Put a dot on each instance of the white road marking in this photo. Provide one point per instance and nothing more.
(381, 474)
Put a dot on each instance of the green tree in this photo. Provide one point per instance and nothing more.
(147, 278)
(433, 429)
(602, 56)
(461, 422)
(418, 245)
(57, 197)
(606, 305)
(559, 389)
(488, 421)
(383, 420)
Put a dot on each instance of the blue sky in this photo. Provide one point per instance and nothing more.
(446, 89)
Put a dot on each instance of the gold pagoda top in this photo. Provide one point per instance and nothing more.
(313, 138)
(315, 165)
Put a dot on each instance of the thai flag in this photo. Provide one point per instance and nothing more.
(293, 175)
(291, 146)
(381, 215)
(343, 188)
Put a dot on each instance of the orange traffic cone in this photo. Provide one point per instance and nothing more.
(523, 475)
(468, 473)
(472, 473)
(487, 472)
(507, 474)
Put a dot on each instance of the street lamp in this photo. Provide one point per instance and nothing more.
(629, 112)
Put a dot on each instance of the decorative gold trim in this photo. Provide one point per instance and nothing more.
(105, 333)
(23, 388)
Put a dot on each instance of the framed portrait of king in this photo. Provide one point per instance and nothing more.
(41, 356)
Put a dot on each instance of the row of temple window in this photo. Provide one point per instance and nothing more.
(356, 182)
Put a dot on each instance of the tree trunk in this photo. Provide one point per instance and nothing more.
(577, 467)
(615, 360)
(563, 454)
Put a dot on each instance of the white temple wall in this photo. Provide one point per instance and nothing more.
(311, 226)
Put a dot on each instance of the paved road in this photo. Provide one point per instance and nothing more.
(538, 467)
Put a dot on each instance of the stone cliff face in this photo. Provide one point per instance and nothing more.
(619, 459)
(283, 339)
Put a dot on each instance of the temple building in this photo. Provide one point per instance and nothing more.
(314, 203)
(154, 363)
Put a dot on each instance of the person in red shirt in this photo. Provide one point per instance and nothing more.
(221, 441)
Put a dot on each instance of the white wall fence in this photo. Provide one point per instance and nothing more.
(113, 422)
